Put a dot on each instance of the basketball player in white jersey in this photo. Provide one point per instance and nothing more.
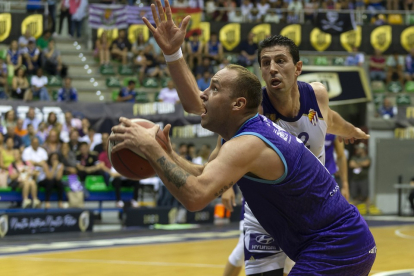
(301, 108)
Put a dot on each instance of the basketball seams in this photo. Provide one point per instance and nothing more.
(127, 167)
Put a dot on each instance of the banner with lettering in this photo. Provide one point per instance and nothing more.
(108, 16)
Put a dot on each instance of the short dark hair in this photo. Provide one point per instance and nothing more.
(131, 82)
(281, 41)
(82, 143)
(246, 85)
(189, 145)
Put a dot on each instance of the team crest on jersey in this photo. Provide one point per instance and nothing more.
(313, 117)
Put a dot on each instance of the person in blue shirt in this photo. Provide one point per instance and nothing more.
(204, 82)
(31, 133)
(127, 94)
(67, 93)
(13, 55)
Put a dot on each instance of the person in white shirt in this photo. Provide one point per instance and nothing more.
(246, 7)
(24, 39)
(92, 138)
(272, 17)
(39, 83)
(236, 16)
(31, 119)
(263, 6)
(36, 156)
(169, 94)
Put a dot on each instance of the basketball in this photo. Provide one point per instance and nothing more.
(130, 164)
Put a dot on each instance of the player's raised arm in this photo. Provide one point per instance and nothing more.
(170, 37)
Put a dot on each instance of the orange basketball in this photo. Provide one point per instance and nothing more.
(130, 164)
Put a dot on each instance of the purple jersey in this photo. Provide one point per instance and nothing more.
(329, 153)
(303, 210)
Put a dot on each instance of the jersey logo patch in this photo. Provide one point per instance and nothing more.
(313, 117)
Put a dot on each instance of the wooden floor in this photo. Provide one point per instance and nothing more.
(395, 251)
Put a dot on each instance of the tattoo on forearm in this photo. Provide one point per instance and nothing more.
(222, 190)
(173, 173)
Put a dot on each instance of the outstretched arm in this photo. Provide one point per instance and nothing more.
(170, 38)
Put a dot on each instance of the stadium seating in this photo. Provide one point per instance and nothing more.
(409, 86)
(378, 87)
(113, 82)
(321, 60)
(54, 81)
(142, 97)
(125, 70)
(394, 87)
(107, 70)
(403, 99)
(150, 83)
(338, 61)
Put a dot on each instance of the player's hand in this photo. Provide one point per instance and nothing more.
(345, 191)
(166, 131)
(228, 198)
(356, 134)
(169, 36)
(132, 136)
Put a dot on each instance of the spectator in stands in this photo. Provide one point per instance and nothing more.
(68, 158)
(74, 140)
(246, 8)
(101, 147)
(206, 66)
(88, 164)
(194, 50)
(387, 110)
(272, 17)
(14, 56)
(31, 134)
(39, 82)
(375, 5)
(224, 62)
(78, 9)
(408, 5)
(292, 18)
(64, 13)
(43, 42)
(31, 57)
(210, 8)
(118, 181)
(42, 131)
(69, 124)
(183, 150)
(360, 164)
(254, 16)
(31, 119)
(355, 58)
(169, 94)
(52, 61)
(34, 6)
(296, 6)
(191, 151)
(52, 122)
(52, 143)
(17, 140)
(10, 119)
(85, 125)
(7, 155)
(203, 155)
(310, 7)
(150, 67)
(236, 16)
(120, 48)
(19, 130)
(3, 77)
(53, 169)
(24, 39)
(127, 94)
(52, 14)
(92, 138)
(37, 156)
(248, 51)
(20, 85)
(395, 65)
(409, 66)
(214, 49)
(329, 5)
(204, 82)
(22, 176)
(263, 7)
(67, 93)
(102, 46)
(220, 15)
(360, 5)
(377, 66)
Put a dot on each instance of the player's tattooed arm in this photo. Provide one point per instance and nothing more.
(222, 190)
(173, 173)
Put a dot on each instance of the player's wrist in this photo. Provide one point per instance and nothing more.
(174, 57)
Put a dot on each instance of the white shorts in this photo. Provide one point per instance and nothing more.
(261, 252)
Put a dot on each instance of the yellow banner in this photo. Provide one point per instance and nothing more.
(230, 36)
(34, 23)
(5, 26)
(381, 37)
(293, 32)
(261, 32)
(205, 31)
(351, 38)
(135, 30)
(320, 40)
(112, 34)
(407, 38)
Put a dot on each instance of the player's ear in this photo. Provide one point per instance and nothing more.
(239, 103)
(298, 68)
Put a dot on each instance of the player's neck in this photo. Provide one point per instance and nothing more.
(232, 127)
(287, 103)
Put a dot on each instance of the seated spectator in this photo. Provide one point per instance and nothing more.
(88, 164)
(236, 16)
(206, 66)
(52, 61)
(127, 94)
(69, 124)
(169, 94)
(210, 8)
(120, 48)
(78, 10)
(214, 49)
(409, 66)
(39, 82)
(20, 85)
(395, 65)
(19, 130)
(3, 77)
(263, 7)
(377, 66)
(53, 169)
(292, 18)
(204, 82)
(194, 50)
(22, 175)
(203, 155)
(378, 20)
(118, 181)
(387, 110)
(52, 122)
(248, 51)
(183, 150)
(37, 156)
(24, 39)
(310, 7)
(10, 119)
(272, 17)
(102, 46)
(101, 147)
(52, 143)
(7, 155)
(246, 7)
(43, 42)
(68, 158)
(31, 134)
(17, 140)
(150, 67)
(42, 131)
(85, 126)
(31, 119)
(67, 93)
(254, 16)
(31, 57)
(138, 48)
(296, 6)
(92, 138)
(355, 58)
(14, 56)
(220, 15)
